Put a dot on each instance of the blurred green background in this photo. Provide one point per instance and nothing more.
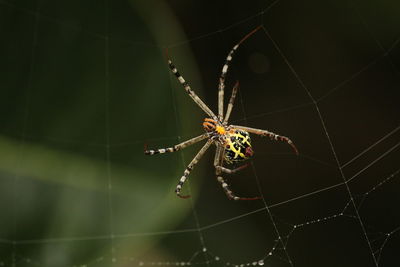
(85, 84)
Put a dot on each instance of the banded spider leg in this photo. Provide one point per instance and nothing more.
(218, 164)
(271, 135)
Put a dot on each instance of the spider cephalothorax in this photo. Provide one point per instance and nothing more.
(232, 142)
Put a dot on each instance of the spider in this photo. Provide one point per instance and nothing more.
(233, 144)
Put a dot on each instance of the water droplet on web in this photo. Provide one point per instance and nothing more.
(261, 262)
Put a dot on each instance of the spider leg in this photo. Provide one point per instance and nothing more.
(232, 171)
(190, 92)
(271, 135)
(229, 192)
(221, 85)
(176, 147)
(190, 167)
(231, 101)
(218, 155)
(218, 162)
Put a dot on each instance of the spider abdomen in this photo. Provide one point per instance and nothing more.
(237, 146)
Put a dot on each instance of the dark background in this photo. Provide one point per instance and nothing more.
(85, 84)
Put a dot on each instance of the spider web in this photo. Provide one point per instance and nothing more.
(80, 100)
